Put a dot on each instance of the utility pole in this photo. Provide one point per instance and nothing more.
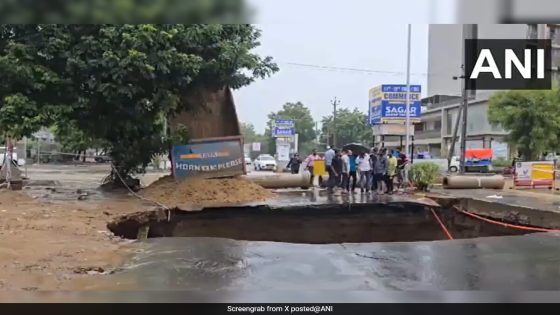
(407, 124)
(458, 120)
(470, 31)
(464, 124)
(334, 103)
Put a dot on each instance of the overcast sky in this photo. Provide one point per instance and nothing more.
(368, 36)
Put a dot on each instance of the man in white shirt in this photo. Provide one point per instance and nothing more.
(345, 171)
(329, 156)
(364, 168)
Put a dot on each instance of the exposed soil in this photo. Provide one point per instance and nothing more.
(311, 224)
(190, 193)
(44, 244)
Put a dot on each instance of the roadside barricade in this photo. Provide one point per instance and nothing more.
(535, 174)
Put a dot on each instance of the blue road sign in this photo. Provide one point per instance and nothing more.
(290, 123)
(283, 132)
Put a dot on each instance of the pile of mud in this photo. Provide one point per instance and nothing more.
(204, 192)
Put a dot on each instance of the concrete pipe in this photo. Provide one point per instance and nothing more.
(473, 182)
(282, 180)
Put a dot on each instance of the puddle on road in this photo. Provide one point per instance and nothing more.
(317, 224)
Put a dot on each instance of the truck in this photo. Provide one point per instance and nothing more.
(215, 148)
(478, 160)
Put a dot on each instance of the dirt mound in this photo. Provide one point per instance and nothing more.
(204, 192)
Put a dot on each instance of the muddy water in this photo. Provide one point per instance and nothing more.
(528, 262)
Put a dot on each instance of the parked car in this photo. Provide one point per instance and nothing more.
(455, 164)
(265, 162)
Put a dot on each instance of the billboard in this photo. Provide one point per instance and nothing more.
(256, 146)
(210, 158)
(283, 128)
(387, 103)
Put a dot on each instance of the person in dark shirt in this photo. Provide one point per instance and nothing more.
(352, 175)
(373, 157)
(337, 167)
(402, 161)
(294, 164)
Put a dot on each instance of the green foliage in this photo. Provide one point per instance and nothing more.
(114, 83)
(304, 124)
(424, 174)
(75, 140)
(532, 118)
(124, 11)
(351, 127)
(250, 134)
(501, 162)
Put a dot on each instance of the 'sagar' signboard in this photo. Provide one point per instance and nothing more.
(387, 103)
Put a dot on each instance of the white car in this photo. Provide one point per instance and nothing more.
(265, 162)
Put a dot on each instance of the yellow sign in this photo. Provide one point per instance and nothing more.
(319, 168)
(542, 171)
(375, 93)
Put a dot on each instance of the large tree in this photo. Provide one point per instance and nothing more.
(118, 83)
(124, 11)
(74, 140)
(351, 126)
(250, 134)
(304, 125)
(531, 117)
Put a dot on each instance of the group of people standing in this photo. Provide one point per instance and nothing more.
(371, 172)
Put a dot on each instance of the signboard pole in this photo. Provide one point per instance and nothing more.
(407, 143)
(408, 93)
(334, 104)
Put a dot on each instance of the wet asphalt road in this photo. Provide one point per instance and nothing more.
(248, 270)
(530, 262)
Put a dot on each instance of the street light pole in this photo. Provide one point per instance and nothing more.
(334, 103)
(465, 105)
(407, 143)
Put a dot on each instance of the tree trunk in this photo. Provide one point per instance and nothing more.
(84, 157)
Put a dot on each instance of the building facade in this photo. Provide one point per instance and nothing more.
(435, 132)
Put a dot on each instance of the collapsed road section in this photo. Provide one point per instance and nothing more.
(312, 224)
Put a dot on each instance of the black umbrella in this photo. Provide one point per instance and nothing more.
(356, 148)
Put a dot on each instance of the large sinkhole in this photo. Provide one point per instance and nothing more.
(312, 224)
